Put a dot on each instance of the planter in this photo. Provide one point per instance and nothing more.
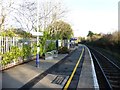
(51, 55)
(55, 53)
(48, 55)
(20, 59)
(42, 57)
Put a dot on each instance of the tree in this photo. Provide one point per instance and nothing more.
(23, 14)
(9, 33)
(5, 12)
(49, 11)
(115, 37)
(90, 34)
(42, 41)
(60, 30)
(93, 36)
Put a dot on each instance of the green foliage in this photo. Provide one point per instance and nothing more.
(51, 46)
(106, 41)
(63, 50)
(34, 49)
(42, 42)
(16, 52)
(57, 30)
(0, 53)
(8, 33)
(42, 47)
(90, 34)
(26, 51)
(11, 32)
(10, 56)
(60, 30)
(6, 58)
(93, 36)
(22, 33)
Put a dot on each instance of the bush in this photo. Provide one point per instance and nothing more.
(26, 51)
(63, 50)
(34, 49)
(51, 46)
(10, 56)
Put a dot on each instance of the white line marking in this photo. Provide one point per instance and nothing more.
(96, 86)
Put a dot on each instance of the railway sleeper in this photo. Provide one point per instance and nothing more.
(110, 71)
(108, 67)
(113, 77)
(114, 82)
(112, 74)
(115, 86)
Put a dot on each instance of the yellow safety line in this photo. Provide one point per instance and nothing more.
(69, 81)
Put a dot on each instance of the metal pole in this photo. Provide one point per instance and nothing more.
(38, 48)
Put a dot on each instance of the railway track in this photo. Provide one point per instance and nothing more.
(108, 73)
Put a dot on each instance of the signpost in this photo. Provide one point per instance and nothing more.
(37, 34)
(38, 48)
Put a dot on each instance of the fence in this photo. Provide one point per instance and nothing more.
(7, 42)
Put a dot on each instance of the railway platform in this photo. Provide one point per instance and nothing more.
(17, 76)
(49, 74)
(88, 77)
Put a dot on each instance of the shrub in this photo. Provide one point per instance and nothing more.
(10, 56)
(26, 51)
(51, 46)
(63, 50)
(34, 49)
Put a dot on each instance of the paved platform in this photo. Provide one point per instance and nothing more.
(18, 76)
(88, 78)
(46, 82)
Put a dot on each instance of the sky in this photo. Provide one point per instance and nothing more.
(99, 16)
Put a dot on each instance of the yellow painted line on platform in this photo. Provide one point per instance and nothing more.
(69, 80)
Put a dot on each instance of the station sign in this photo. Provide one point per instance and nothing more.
(37, 33)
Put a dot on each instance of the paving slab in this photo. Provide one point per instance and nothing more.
(17, 76)
(48, 82)
(87, 77)
(0, 80)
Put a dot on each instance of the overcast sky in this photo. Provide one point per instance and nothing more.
(99, 16)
